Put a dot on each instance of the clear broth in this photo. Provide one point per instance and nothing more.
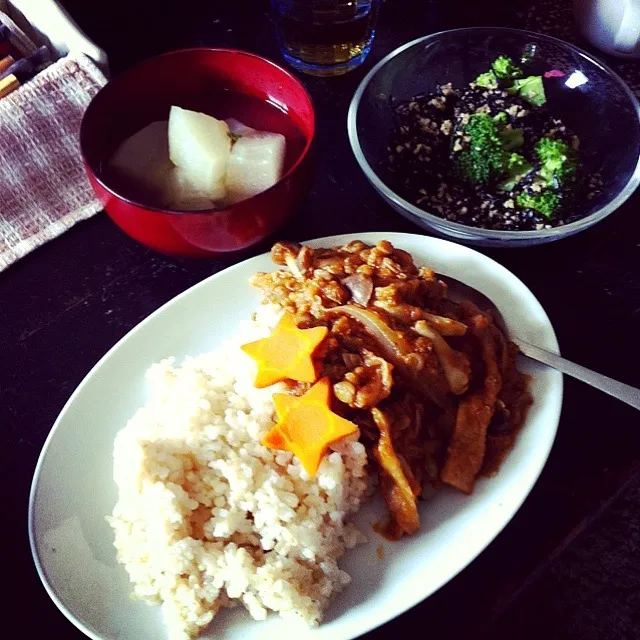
(254, 112)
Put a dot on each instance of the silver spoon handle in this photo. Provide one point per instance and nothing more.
(624, 392)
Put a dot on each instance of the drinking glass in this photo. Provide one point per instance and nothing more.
(325, 37)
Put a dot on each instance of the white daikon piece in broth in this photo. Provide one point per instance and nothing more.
(182, 193)
(239, 128)
(255, 164)
(199, 144)
(142, 161)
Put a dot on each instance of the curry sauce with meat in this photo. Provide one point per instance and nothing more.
(431, 383)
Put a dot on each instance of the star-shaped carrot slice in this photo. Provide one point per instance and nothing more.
(306, 425)
(287, 354)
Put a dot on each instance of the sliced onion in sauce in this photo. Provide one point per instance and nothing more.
(393, 347)
(391, 342)
(292, 263)
(454, 364)
(445, 326)
(361, 288)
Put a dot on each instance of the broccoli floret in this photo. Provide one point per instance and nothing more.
(511, 138)
(483, 155)
(545, 203)
(558, 161)
(504, 69)
(487, 80)
(517, 167)
(530, 89)
(517, 164)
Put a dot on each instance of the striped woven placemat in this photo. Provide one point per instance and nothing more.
(43, 186)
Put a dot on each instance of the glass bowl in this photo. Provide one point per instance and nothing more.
(592, 101)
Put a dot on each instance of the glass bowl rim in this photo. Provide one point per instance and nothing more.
(494, 234)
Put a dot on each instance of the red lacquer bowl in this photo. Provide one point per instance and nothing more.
(189, 78)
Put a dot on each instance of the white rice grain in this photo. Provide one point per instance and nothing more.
(207, 516)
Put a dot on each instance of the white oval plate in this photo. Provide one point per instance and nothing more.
(73, 489)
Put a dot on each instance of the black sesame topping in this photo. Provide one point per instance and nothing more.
(429, 132)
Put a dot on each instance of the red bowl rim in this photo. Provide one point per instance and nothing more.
(303, 154)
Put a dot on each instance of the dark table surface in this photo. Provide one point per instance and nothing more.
(567, 566)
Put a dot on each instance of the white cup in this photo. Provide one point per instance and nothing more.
(611, 25)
